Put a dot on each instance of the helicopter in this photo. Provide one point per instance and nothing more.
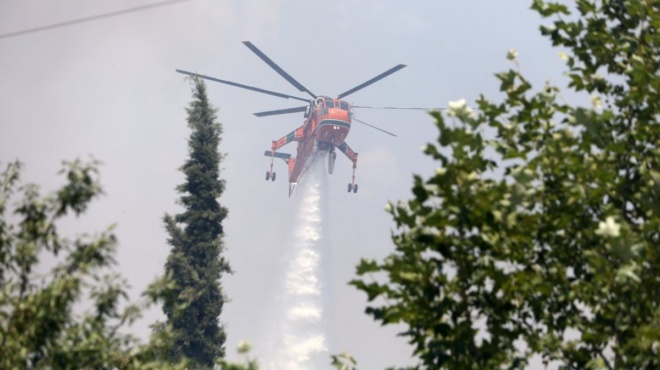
(327, 123)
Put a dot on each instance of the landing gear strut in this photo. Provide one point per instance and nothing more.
(352, 186)
(270, 174)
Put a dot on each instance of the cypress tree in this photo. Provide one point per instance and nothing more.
(195, 262)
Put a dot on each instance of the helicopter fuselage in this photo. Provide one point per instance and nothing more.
(326, 126)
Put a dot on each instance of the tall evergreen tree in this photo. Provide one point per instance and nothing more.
(195, 262)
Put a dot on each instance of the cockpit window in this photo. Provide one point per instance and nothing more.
(329, 104)
(343, 105)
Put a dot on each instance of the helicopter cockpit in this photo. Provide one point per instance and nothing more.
(337, 104)
(326, 103)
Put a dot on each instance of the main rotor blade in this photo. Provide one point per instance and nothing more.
(277, 69)
(413, 108)
(285, 96)
(379, 77)
(281, 111)
(372, 126)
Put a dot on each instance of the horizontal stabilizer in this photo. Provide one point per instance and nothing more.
(284, 156)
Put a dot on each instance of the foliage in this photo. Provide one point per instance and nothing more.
(343, 361)
(538, 232)
(243, 349)
(40, 326)
(195, 261)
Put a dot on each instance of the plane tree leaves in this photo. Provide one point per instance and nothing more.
(76, 314)
(537, 234)
(41, 323)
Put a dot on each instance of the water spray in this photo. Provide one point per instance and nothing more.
(302, 337)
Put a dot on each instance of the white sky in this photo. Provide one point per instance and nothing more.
(108, 89)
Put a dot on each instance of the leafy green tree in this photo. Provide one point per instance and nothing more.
(243, 349)
(343, 361)
(195, 262)
(38, 326)
(538, 233)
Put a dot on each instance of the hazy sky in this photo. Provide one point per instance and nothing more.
(108, 89)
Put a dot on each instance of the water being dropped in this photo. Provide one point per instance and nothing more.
(300, 343)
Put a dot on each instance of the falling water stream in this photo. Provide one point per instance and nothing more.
(301, 340)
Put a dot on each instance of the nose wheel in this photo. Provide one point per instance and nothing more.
(270, 176)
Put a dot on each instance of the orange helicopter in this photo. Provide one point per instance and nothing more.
(326, 126)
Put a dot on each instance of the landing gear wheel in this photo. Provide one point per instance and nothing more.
(355, 188)
(350, 187)
(267, 175)
(274, 176)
